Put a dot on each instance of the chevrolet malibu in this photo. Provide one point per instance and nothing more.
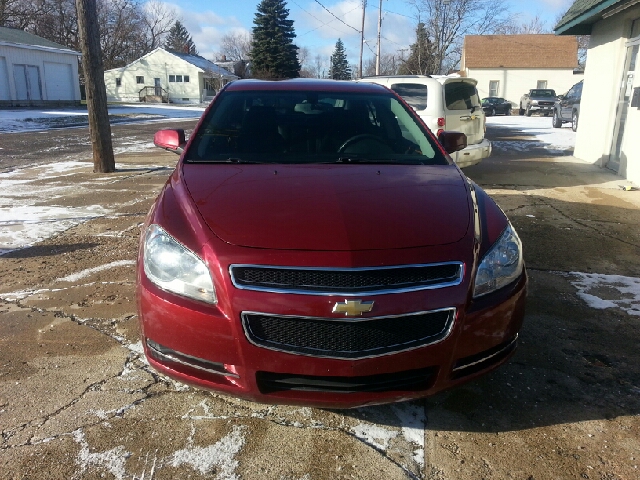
(316, 245)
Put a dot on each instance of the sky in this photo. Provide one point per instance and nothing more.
(319, 23)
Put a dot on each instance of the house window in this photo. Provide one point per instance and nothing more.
(542, 84)
(140, 80)
(172, 78)
(186, 79)
(494, 88)
(118, 82)
(178, 78)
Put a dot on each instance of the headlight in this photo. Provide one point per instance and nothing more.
(501, 265)
(174, 268)
(534, 102)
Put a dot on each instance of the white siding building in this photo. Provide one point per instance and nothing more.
(508, 66)
(35, 71)
(610, 105)
(166, 76)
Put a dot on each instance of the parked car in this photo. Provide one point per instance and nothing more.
(538, 100)
(317, 245)
(567, 107)
(445, 103)
(496, 105)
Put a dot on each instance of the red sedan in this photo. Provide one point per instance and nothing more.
(316, 245)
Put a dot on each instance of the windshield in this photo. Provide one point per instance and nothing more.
(543, 93)
(311, 127)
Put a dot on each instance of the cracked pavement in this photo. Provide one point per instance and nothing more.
(78, 400)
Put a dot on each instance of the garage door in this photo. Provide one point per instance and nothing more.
(4, 80)
(58, 81)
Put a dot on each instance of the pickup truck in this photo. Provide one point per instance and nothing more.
(538, 100)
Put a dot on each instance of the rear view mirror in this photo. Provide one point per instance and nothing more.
(452, 141)
(171, 140)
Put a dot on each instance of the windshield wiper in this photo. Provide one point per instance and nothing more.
(226, 160)
(364, 160)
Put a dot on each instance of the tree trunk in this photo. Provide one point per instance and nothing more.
(99, 126)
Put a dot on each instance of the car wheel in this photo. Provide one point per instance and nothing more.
(574, 121)
(508, 112)
(528, 112)
(492, 112)
(557, 123)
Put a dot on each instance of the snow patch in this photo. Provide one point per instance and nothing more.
(413, 420)
(90, 271)
(221, 454)
(625, 290)
(374, 435)
(113, 460)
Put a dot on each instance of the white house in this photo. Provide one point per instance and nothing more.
(35, 71)
(167, 76)
(510, 65)
(610, 105)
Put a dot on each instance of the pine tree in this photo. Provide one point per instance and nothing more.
(273, 53)
(421, 60)
(179, 40)
(339, 68)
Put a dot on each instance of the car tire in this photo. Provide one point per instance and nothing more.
(557, 123)
(492, 112)
(574, 121)
(528, 112)
(508, 112)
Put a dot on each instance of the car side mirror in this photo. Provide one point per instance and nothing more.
(171, 140)
(452, 141)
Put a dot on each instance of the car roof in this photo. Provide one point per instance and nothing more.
(306, 84)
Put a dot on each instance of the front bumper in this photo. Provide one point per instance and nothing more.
(541, 108)
(472, 154)
(200, 345)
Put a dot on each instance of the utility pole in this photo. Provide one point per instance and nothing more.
(364, 6)
(99, 126)
(379, 31)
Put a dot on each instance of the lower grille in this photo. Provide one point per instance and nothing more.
(347, 339)
(478, 362)
(409, 380)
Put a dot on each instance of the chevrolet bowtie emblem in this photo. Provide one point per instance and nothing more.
(353, 307)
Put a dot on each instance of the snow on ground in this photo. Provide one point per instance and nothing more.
(534, 132)
(30, 119)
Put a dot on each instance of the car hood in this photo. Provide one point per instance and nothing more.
(331, 207)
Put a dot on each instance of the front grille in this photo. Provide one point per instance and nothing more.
(347, 338)
(409, 380)
(546, 104)
(347, 281)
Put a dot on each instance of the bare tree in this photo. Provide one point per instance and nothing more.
(158, 18)
(534, 26)
(389, 65)
(448, 21)
(236, 46)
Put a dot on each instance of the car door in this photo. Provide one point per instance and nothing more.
(566, 103)
(462, 109)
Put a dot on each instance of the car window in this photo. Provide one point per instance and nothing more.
(543, 93)
(305, 127)
(579, 90)
(461, 96)
(415, 94)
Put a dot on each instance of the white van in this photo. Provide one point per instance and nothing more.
(445, 103)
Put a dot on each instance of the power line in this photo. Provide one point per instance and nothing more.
(337, 18)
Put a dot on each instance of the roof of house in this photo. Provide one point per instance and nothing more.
(520, 51)
(584, 13)
(195, 60)
(20, 37)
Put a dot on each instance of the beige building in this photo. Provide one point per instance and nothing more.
(166, 76)
(35, 71)
(610, 105)
(509, 66)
